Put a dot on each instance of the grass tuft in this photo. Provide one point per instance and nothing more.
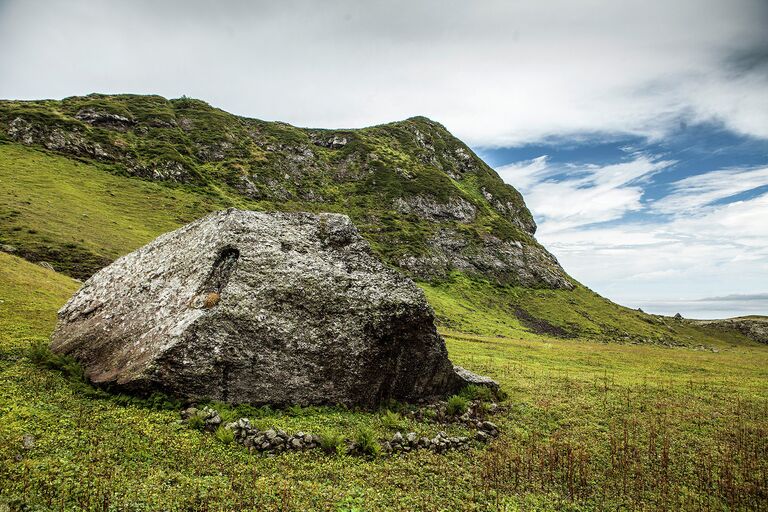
(332, 442)
(457, 405)
(392, 420)
(367, 443)
(225, 435)
(475, 392)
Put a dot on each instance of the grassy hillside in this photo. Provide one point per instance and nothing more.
(426, 202)
(586, 426)
(78, 217)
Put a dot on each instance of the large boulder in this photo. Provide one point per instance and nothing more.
(243, 306)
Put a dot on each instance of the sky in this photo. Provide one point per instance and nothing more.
(637, 131)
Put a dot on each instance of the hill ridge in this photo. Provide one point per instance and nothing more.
(427, 203)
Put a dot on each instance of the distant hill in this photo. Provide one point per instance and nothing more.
(87, 179)
(753, 326)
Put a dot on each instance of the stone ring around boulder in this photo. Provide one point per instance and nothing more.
(260, 308)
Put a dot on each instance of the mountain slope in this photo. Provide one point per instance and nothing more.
(425, 201)
(85, 180)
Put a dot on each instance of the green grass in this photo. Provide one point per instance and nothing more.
(79, 217)
(225, 435)
(367, 442)
(586, 426)
(457, 405)
(474, 306)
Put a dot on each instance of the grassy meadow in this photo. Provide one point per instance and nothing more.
(586, 426)
(607, 408)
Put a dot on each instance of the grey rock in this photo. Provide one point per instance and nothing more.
(296, 443)
(242, 306)
(189, 412)
(334, 142)
(506, 261)
(8, 248)
(270, 434)
(28, 441)
(412, 438)
(472, 378)
(488, 426)
(397, 438)
(104, 119)
(428, 208)
(213, 422)
(481, 436)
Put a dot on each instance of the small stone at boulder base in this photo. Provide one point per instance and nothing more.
(472, 378)
(261, 308)
(488, 426)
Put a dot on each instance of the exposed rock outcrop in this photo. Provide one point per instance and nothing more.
(506, 261)
(754, 327)
(254, 307)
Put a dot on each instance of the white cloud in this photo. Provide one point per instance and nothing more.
(522, 175)
(722, 249)
(662, 263)
(494, 72)
(693, 192)
(588, 194)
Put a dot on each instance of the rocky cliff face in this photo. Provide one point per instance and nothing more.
(241, 306)
(422, 198)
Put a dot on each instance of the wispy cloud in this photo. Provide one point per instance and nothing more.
(760, 297)
(694, 192)
(695, 241)
(567, 196)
